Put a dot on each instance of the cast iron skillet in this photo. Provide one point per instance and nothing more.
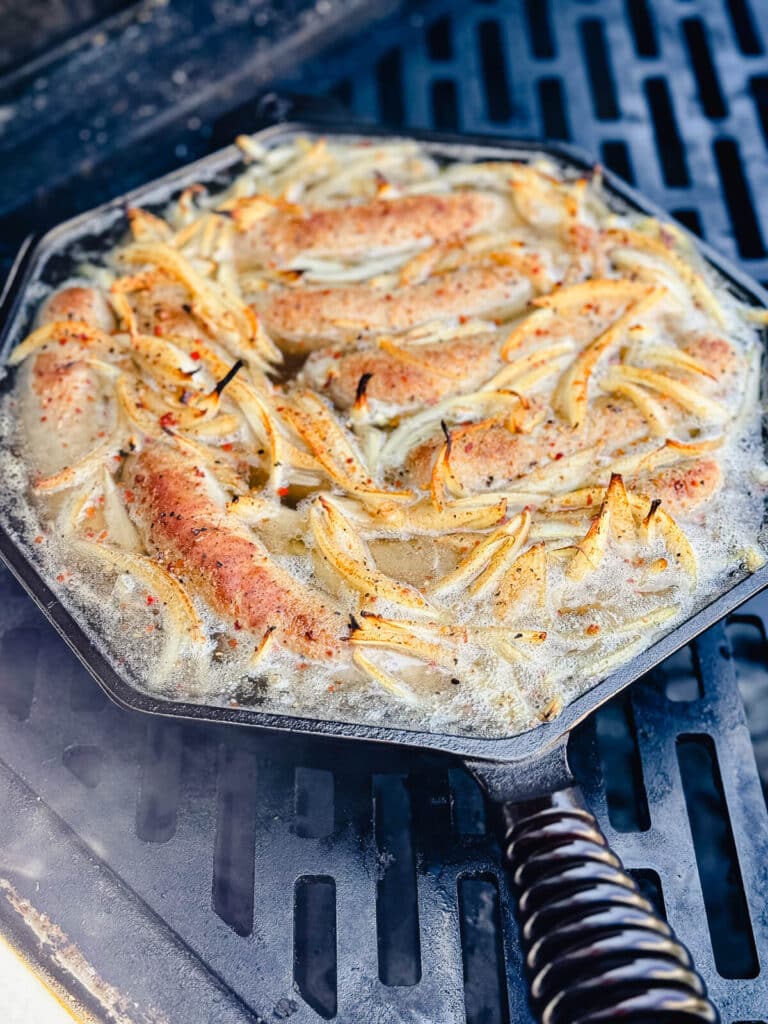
(596, 950)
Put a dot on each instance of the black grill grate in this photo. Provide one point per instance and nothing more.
(219, 876)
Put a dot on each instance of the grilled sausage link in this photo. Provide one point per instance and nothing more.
(370, 229)
(64, 404)
(303, 319)
(183, 522)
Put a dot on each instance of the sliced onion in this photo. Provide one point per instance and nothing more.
(572, 393)
(394, 686)
(525, 579)
(687, 397)
(340, 544)
(181, 611)
(624, 238)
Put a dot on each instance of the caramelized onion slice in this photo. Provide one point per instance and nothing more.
(330, 444)
(342, 547)
(685, 396)
(482, 556)
(525, 579)
(58, 330)
(658, 523)
(624, 238)
(572, 394)
(394, 686)
(181, 611)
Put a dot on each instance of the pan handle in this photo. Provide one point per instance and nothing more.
(595, 949)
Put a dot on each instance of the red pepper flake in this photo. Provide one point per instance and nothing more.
(61, 577)
(590, 499)
(150, 599)
(150, 628)
(227, 447)
(592, 629)
(130, 497)
(558, 456)
(167, 420)
(43, 419)
(282, 491)
(90, 511)
(38, 539)
(237, 625)
(158, 331)
(194, 355)
(233, 643)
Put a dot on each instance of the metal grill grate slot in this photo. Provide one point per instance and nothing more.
(314, 938)
(679, 677)
(617, 159)
(643, 28)
(86, 763)
(540, 29)
(17, 687)
(601, 81)
(622, 770)
(669, 145)
(397, 914)
(758, 87)
(746, 634)
(498, 97)
(83, 695)
(744, 29)
(552, 103)
(313, 803)
(690, 219)
(467, 805)
(235, 840)
(736, 192)
(649, 884)
(389, 82)
(445, 114)
(700, 56)
(485, 997)
(730, 930)
(158, 801)
(440, 39)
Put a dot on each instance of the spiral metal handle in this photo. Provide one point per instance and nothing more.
(595, 948)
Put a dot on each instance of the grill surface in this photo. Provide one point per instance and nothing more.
(211, 875)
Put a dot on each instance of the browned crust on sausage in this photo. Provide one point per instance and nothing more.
(62, 406)
(489, 455)
(369, 228)
(79, 303)
(183, 523)
(395, 381)
(683, 488)
(308, 318)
